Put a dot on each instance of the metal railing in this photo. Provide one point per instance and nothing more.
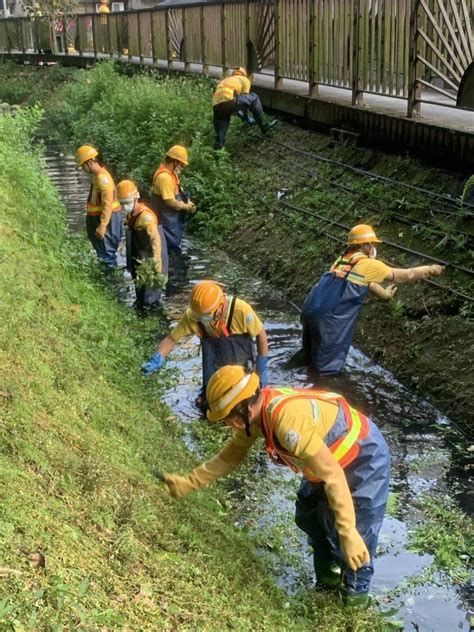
(418, 50)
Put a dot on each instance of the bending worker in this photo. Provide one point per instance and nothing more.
(103, 220)
(331, 309)
(145, 241)
(343, 457)
(233, 96)
(168, 199)
(227, 326)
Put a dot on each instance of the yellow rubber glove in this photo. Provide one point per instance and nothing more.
(325, 467)
(224, 462)
(100, 231)
(354, 549)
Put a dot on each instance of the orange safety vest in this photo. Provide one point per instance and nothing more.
(164, 169)
(344, 450)
(94, 201)
(342, 267)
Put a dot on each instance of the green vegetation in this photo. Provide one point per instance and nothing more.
(89, 539)
(29, 85)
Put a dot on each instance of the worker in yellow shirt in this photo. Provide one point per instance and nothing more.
(233, 96)
(168, 199)
(230, 333)
(103, 220)
(145, 241)
(103, 8)
(332, 307)
(343, 457)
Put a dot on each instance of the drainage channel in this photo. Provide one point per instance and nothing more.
(262, 498)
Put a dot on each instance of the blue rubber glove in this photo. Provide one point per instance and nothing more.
(155, 363)
(262, 370)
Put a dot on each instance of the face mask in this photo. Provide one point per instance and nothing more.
(128, 206)
(373, 252)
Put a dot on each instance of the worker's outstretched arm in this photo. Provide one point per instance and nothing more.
(262, 357)
(179, 205)
(158, 358)
(383, 293)
(408, 275)
(227, 460)
(325, 467)
(107, 201)
(155, 241)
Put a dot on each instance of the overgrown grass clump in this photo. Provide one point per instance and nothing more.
(88, 538)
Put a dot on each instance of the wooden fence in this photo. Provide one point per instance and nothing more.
(418, 50)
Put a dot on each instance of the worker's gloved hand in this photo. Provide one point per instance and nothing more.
(391, 290)
(354, 549)
(100, 231)
(190, 207)
(178, 486)
(436, 270)
(262, 370)
(153, 364)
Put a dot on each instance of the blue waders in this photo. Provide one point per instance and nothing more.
(106, 248)
(139, 247)
(220, 351)
(329, 317)
(173, 222)
(368, 479)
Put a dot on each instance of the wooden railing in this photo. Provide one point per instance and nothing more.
(418, 50)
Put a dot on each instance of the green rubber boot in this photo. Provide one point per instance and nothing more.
(328, 574)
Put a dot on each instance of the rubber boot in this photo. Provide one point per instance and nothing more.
(328, 574)
(263, 124)
(245, 117)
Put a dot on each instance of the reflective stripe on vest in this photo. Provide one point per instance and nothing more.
(164, 169)
(344, 450)
(226, 88)
(94, 201)
(343, 267)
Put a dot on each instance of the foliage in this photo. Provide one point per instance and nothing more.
(89, 540)
(28, 85)
(49, 8)
(147, 275)
(445, 532)
(468, 189)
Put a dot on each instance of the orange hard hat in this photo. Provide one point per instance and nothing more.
(240, 71)
(227, 387)
(362, 234)
(85, 153)
(206, 297)
(126, 189)
(178, 152)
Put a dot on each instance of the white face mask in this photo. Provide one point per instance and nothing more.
(373, 252)
(128, 206)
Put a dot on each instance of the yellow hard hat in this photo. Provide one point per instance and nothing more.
(206, 297)
(85, 153)
(178, 152)
(126, 189)
(104, 1)
(227, 387)
(362, 234)
(240, 71)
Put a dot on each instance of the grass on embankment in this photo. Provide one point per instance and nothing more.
(80, 432)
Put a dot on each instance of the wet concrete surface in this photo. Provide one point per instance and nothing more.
(416, 432)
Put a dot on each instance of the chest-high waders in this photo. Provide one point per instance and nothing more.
(329, 317)
(225, 349)
(138, 247)
(172, 222)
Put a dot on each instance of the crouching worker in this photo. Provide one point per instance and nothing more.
(145, 245)
(230, 333)
(233, 96)
(331, 309)
(168, 200)
(343, 457)
(103, 220)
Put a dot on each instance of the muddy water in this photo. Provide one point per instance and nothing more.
(415, 431)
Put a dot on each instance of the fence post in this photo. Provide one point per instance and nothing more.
(139, 35)
(94, 43)
(187, 65)
(313, 86)
(357, 94)
(414, 88)
(224, 39)
(276, 20)
(153, 45)
(205, 65)
(66, 51)
(167, 30)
